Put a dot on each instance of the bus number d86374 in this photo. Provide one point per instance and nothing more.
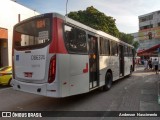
(38, 57)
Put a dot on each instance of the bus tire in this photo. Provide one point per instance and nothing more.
(108, 81)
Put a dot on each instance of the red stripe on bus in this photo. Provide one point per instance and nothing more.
(57, 45)
(86, 69)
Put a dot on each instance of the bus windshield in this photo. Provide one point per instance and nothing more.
(32, 33)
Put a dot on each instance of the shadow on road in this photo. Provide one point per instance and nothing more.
(72, 102)
(32, 102)
(2, 86)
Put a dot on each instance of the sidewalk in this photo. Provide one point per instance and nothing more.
(150, 92)
(139, 67)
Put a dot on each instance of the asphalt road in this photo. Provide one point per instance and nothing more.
(135, 93)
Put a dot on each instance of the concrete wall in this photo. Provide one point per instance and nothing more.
(9, 11)
(146, 44)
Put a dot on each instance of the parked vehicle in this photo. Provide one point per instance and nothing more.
(5, 75)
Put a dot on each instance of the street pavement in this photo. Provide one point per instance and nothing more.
(139, 92)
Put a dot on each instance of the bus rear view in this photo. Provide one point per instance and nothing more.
(33, 67)
(56, 56)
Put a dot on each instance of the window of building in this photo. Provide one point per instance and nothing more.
(146, 27)
(142, 19)
(150, 17)
(146, 18)
(75, 40)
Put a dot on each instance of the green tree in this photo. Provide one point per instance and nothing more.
(136, 44)
(99, 21)
(96, 19)
(128, 38)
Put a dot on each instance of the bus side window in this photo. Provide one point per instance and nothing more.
(114, 48)
(126, 51)
(130, 52)
(75, 40)
(133, 52)
(104, 46)
(101, 46)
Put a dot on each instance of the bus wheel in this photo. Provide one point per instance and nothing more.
(108, 81)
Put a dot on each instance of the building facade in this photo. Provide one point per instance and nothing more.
(149, 30)
(11, 13)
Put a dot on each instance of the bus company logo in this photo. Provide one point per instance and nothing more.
(6, 114)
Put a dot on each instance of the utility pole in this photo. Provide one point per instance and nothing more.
(66, 8)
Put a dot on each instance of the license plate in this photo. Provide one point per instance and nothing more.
(28, 74)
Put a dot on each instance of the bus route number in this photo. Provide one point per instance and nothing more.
(41, 24)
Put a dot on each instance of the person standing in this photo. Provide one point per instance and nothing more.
(150, 64)
(156, 65)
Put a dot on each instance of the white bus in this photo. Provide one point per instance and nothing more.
(56, 56)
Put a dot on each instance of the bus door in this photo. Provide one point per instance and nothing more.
(121, 60)
(93, 62)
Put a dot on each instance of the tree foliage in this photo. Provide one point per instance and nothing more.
(128, 38)
(136, 44)
(96, 19)
(99, 21)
